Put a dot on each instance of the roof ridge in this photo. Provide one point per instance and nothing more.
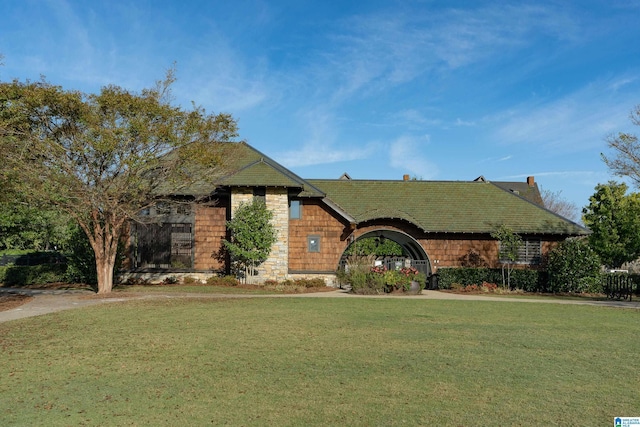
(280, 168)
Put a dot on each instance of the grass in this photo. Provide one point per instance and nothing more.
(319, 361)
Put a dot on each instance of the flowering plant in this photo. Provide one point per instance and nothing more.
(400, 279)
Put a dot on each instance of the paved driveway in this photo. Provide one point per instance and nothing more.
(50, 301)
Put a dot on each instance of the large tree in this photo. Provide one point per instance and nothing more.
(625, 159)
(554, 201)
(613, 216)
(102, 158)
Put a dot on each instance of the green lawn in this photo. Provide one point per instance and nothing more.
(321, 361)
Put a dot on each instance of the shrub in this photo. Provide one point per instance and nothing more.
(367, 279)
(190, 280)
(457, 278)
(23, 275)
(310, 283)
(574, 267)
(222, 281)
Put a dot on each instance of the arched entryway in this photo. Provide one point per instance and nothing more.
(415, 255)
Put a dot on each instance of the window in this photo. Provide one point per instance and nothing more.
(313, 243)
(295, 209)
(168, 245)
(529, 253)
(260, 193)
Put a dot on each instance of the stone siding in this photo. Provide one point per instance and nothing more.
(275, 267)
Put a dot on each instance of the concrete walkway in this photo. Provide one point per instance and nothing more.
(50, 301)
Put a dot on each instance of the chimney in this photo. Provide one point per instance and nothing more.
(405, 177)
(531, 181)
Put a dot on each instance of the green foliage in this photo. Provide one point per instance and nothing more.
(510, 244)
(252, 235)
(102, 158)
(530, 280)
(80, 258)
(374, 246)
(365, 279)
(25, 275)
(296, 284)
(23, 226)
(614, 220)
(574, 266)
(526, 280)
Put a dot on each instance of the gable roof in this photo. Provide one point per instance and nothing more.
(522, 189)
(445, 206)
(244, 166)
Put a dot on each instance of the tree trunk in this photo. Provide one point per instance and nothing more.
(104, 236)
(104, 268)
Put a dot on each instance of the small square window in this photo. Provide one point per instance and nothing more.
(313, 243)
(295, 209)
(260, 193)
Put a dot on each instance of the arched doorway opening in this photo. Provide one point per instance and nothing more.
(413, 255)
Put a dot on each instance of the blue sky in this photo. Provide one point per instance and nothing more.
(439, 90)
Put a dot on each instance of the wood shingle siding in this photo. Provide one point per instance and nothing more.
(319, 221)
(210, 230)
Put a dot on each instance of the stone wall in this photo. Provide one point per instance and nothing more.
(275, 267)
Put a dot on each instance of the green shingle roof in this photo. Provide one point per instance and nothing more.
(445, 206)
(244, 166)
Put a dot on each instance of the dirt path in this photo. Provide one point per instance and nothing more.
(50, 301)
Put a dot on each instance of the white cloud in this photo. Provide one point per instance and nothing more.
(407, 154)
(311, 154)
(390, 48)
(321, 145)
(460, 122)
(577, 122)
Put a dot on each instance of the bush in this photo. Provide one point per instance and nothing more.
(365, 279)
(310, 283)
(190, 280)
(81, 259)
(574, 267)
(222, 281)
(23, 275)
(526, 280)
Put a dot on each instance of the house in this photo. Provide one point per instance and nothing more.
(437, 223)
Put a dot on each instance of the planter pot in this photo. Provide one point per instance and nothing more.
(415, 288)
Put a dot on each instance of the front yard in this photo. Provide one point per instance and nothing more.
(291, 361)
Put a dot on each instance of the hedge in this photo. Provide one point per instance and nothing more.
(527, 280)
(23, 275)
